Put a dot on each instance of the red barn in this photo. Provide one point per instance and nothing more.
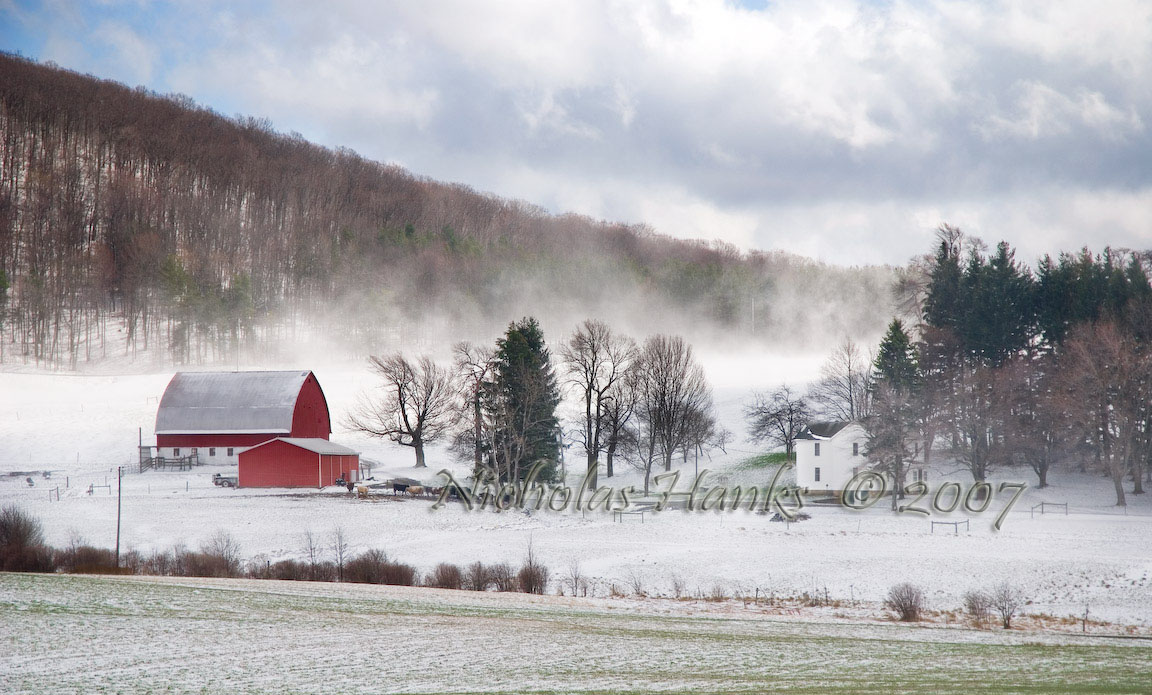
(292, 462)
(216, 415)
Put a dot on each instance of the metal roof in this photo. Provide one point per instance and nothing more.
(823, 430)
(320, 446)
(230, 402)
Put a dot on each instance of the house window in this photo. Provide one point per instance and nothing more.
(817, 474)
(229, 451)
(176, 451)
(211, 451)
(817, 449)
(194, 451)
(855, 448)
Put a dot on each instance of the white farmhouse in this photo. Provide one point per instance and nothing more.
(828, 454)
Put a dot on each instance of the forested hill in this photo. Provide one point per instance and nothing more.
(136, 221)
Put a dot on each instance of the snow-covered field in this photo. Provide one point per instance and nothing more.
(136, 635)
(81, 427)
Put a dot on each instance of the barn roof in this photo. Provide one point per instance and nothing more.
(230, 402)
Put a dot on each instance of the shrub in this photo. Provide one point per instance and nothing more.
(718, 593)
(22, 542)
(367, 568)
(399, 574)
(502, 576)
(202, 564)
(19, 529)
(636, 583)
(1006, 600)
(445, 576)
(477, 577)
(159, 563)
(86, 559)
(223, 554)
(533, 576)
(978, 606)
(907, 600)
(575, 579)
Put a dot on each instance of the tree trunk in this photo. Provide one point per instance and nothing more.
(1118, 481)
(418, 445)
(477, 433)
(594, 470)
(610, 454)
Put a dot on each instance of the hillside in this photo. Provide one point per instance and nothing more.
(132, 221)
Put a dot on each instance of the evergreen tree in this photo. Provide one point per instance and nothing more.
(943, 305)
(893, 420)
(1002, 316)
(519, 405)
(896, 362)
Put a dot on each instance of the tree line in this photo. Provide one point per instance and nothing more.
(642, 403)
(133, 221)
(997, 365)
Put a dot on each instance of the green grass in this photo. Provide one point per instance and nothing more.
(87, 634)
(762, 461)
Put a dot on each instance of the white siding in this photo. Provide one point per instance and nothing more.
(836, 463)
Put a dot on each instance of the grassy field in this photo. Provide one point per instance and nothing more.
(147, 635)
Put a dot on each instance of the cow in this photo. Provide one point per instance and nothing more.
(415, 490)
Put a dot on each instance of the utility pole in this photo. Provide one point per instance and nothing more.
(119, 494)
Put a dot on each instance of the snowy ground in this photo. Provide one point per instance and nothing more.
(136, 635)
(81, 427)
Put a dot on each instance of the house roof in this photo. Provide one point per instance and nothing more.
(230, 402)
(317, 445)
(823, 430)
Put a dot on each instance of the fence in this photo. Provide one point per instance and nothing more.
(1042, 505)
(163, 463)
(954, 524)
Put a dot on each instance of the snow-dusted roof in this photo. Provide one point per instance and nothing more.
(230, 402)
(320, 446)
(313, 444)
(823, 430)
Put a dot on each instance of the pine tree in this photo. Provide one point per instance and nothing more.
(519, 405)
(943, 306)
(1003, 307)
(896, 362)
(892, 423)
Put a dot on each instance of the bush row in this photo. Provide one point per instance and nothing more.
(22, 549)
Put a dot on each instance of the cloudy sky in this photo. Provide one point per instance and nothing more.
(845, 130)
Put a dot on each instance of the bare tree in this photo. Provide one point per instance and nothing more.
(842, 391)
(417, 407)
(596, 360)
(890, 428)
(907, 600)
(340, 551)
(1109, 377)
(619, 407)
(1006, 600)
(672, 390)
(778, 418)
(977, 410)
(313, 550)
(474, 366)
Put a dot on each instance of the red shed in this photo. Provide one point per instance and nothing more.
(215, 415)
(293, 462)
